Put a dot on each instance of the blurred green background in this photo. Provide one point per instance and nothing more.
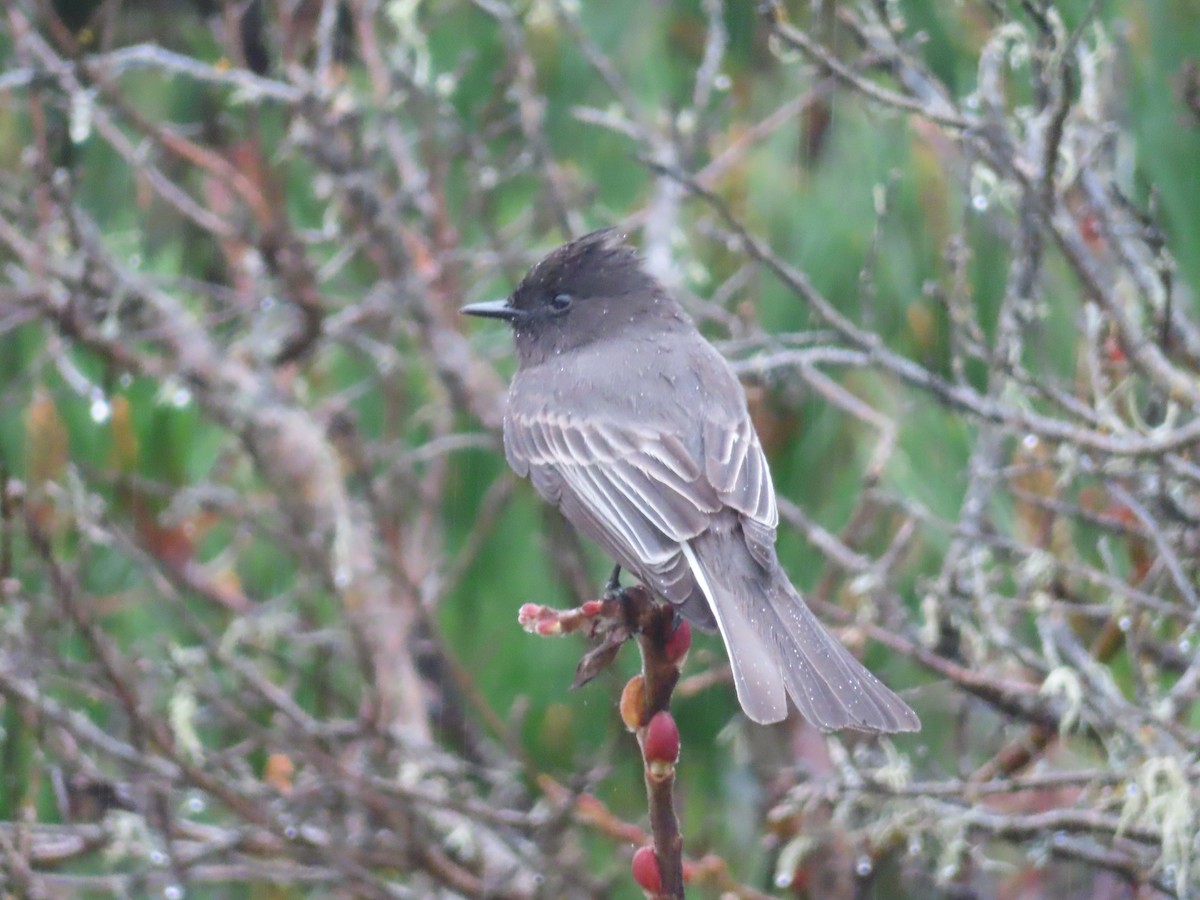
(810, 187)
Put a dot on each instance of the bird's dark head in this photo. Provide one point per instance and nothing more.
(591, 289)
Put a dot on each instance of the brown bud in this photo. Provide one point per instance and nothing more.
(633, 703)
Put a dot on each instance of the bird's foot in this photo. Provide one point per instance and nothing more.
(612, 587)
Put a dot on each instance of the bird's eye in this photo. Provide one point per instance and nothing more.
(560, 302)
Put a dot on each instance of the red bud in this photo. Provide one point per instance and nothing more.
(646, 871)
(679, 643)
(660, 745)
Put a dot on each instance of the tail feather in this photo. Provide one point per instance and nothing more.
(756, 673)
(776, 645)
(829, 686)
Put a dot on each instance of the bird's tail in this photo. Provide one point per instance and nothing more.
(777, 646)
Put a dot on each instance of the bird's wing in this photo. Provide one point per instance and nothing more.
(736, 467)
(635, 489)
(638, 489)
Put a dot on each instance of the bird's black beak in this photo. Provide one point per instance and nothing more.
(492, 309)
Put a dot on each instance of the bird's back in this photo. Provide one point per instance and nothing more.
(668, 381)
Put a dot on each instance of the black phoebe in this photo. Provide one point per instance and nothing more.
(634, 426)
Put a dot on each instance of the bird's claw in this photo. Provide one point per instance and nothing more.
(612, 587)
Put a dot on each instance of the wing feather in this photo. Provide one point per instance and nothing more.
(736, 467)
(641, 492)
(641, 478)
(584, 498)
(624, 514)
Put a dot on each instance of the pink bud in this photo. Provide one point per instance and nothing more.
(549, 627)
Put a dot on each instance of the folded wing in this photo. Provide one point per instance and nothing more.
(638, 493)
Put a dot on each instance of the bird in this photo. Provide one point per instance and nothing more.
(636, 428)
